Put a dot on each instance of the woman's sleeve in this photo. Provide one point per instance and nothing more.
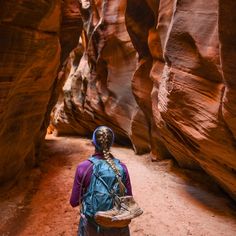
(76, 189)
(127, 180)
(81, 182)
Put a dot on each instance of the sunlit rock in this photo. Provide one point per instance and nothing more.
(98, 89)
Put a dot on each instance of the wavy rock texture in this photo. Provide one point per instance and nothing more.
(160, 73)
(192, 72)
(140, 21)
(98, 88)
(177, 97)
(30, 58)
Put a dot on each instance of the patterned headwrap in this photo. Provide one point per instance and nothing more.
(103, 138)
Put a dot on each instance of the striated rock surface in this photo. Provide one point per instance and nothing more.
(174, 97)
(160, 73)
(30, 52)
(140, 21)
(98, 89)
(192, 67)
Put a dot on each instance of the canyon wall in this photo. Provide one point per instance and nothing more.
(32, 33)
(175, 97)
(192, 49)
(98, 89)
(160, 73)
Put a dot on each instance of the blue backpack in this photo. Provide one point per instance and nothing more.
(103, 187)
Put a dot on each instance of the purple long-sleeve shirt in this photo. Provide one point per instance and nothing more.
(82, 179)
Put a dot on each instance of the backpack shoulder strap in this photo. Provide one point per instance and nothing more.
(94, 159)
(112, 162)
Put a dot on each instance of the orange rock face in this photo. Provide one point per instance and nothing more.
(192, 96)
(30, 52)
(98, 89)
(160, 73)
(176, 97)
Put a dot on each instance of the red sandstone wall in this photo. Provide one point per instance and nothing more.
(98, 89)
(30, 55)
(192, 69)
(160, 73)
(177, 97)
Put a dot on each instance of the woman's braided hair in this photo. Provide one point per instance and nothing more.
(103, 138)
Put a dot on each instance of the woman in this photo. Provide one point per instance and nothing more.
(97, 182)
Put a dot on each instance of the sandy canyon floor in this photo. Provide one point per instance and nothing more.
(175, 202)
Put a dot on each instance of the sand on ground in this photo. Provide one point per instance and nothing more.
(175, 202)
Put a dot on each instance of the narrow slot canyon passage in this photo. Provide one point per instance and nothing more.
(175, 202)
(159, 73)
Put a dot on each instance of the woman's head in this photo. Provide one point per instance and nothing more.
(103, 138)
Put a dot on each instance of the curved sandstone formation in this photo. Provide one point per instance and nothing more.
(160, 73)
(176, 97)
(30, 51)
(192, 72)
(98, 88)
